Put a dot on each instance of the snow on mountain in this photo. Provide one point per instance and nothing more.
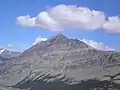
(2, 50)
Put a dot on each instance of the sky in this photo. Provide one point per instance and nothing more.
(27, 22)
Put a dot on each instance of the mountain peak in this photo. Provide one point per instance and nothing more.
(59, 37)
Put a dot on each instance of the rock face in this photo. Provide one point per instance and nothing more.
(60, 56)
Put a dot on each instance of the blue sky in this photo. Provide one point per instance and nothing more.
(23, 37)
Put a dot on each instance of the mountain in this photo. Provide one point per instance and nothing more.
(68, 60)
(6, 55)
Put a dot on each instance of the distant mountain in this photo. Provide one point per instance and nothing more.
(59, 57)
(6, 55)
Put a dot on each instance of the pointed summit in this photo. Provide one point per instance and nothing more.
(58, 38)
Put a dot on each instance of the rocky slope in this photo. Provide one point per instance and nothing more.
(60, 57)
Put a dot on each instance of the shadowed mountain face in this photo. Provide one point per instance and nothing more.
(62, 57)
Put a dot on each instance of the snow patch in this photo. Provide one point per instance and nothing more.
(1, 51)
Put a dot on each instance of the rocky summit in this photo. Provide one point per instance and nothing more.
(69, 60)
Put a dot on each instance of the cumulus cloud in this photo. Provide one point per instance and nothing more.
(72, 16)
(98, 45)
(26, 21)
(61, 17)
(39, 39)
(113, 24)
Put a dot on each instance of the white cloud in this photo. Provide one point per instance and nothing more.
(98, 45)
(113, 24)
(72, 16)
(10, 45)
(26, 21)
(62, 16)
(39, 39)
